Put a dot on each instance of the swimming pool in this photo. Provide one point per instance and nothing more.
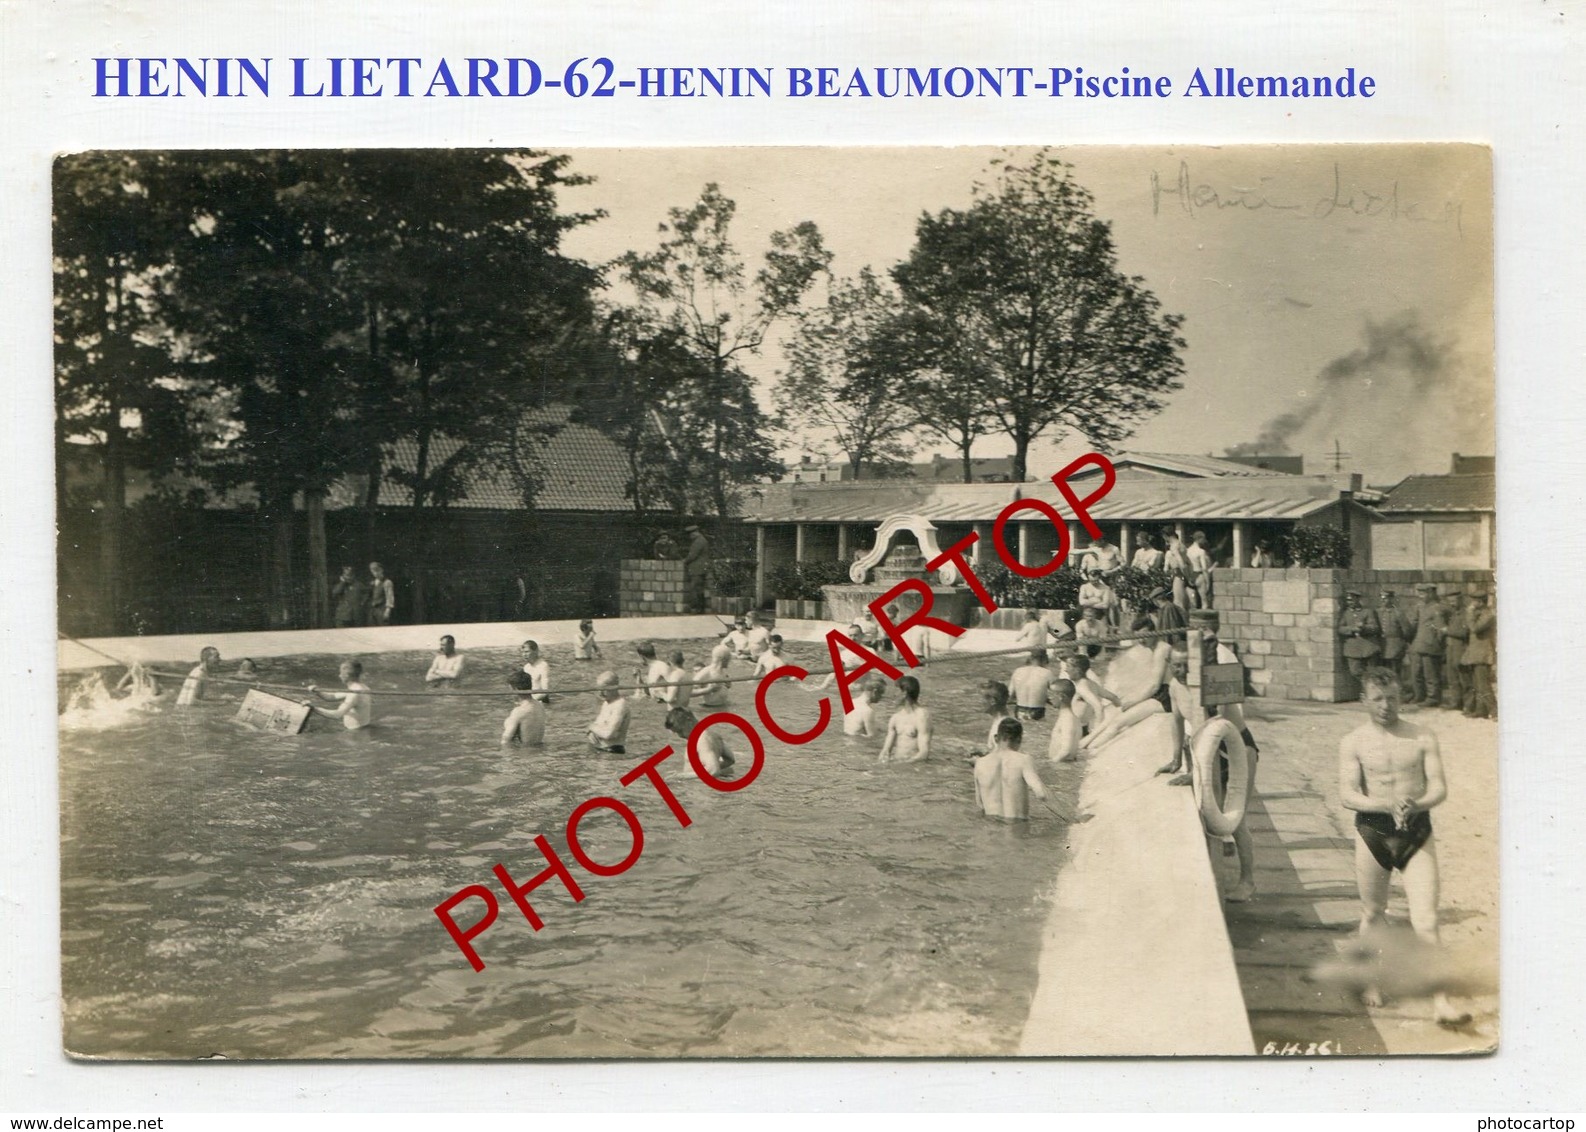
(250, 895)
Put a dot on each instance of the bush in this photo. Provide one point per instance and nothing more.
(732, 577)
(1057, 590)
(802, 581)
(1318, 548)
(818, 574)
(1136, 586)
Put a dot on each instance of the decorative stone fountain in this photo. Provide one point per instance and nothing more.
(904, 543)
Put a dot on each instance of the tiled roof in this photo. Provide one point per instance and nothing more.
(1441, 493)
(583, 469)
(1210, 499)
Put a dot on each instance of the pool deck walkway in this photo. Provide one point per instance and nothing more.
(1307, 908)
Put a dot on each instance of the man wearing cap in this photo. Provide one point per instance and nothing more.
(1361, 632)
(1396, 631)
(1478, 659)
(1455, 632)
(696, 564)
(1426, 649)
(1169, 615)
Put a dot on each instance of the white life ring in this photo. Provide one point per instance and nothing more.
(1221, 820)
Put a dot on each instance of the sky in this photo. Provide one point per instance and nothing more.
(1338, 293)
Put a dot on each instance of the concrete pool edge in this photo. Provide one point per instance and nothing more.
(91, 652)
(1135, 955)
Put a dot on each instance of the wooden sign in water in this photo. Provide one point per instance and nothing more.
(269, 712)
(1222, 684)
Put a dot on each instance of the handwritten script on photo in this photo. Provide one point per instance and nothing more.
(1337, 198)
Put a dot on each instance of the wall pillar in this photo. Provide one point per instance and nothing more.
(1024, 544)
(1073, 542)
(842, 540)
(977, 553)
(1240, 561)
(1126, 542)
(798, 542)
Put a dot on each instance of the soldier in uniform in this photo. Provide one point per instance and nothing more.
(1426, 649)
(1361, 633)
(1478, 659)
(1396, 631)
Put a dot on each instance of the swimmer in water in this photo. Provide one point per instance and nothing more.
(679, 683)
(586, 648)
(993, 702)
(711, 680)
(759, 638)
(198, 679)
(712, 749)
(447, 667)
(1391, 774)
(609, 732)
(1030, 685)
(771, 659)
(1034, 633)
(909, 730)
(651, 671)
(861, 721)
(357, 705)
(525, 725)
(1064, 744)
(537, 667)
(1005, 776)
(140, 683)
(737, 638)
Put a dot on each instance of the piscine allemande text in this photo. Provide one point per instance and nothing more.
(841, 647)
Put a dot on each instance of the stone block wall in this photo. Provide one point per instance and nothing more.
(648, 587)
(1285, 622)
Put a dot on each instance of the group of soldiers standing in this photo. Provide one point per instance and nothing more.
(1442, 647)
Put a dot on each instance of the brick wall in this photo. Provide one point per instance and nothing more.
(1285, 622)
(651, 586)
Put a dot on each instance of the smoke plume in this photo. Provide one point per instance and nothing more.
(1400, 403)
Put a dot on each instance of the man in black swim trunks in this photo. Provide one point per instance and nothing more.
(1391, 774)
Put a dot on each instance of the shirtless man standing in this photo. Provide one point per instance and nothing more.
(909, 730)
(1391, 774)
(1006, 776)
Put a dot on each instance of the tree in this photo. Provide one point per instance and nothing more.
(470, 302)
(355, 299)
(260, 300)
(118, 393)
(837, 381)
(942, 375)
(633, 371)
(1027, 280)
(694, 286)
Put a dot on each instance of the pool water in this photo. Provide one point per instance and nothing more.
(245, 894)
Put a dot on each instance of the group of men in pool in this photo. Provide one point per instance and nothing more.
(1390, 770)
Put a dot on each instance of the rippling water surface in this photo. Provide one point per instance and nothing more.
(252, 895)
